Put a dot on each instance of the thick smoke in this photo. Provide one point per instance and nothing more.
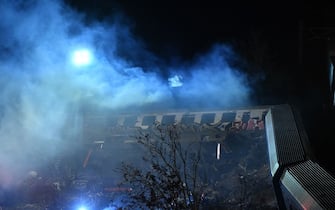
(210, 82)
(41, 89)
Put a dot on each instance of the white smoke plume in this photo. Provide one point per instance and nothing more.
(41, 90)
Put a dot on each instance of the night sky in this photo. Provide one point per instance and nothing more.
(186, 28)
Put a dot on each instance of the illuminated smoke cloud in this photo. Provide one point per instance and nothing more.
(176, 81)
(210, 82)
(41, 88)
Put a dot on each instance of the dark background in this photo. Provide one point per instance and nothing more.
(286, 43)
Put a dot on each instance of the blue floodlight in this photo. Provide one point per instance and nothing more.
(82, 57)
(82, 208)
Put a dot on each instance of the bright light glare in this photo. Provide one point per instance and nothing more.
(82, 208)
(82, 57)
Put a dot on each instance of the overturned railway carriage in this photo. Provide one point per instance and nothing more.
(104, 126)
(215, 129)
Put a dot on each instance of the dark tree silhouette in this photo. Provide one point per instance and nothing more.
(170, 178)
